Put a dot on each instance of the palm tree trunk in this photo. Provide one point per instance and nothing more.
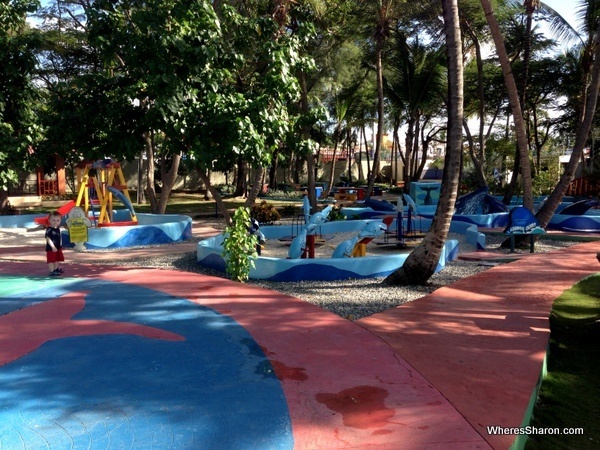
(422, 262)
(380, 122)
(332, 171)
(310, 162)
(514, 101)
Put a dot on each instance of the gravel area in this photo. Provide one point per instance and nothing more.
(350, 299)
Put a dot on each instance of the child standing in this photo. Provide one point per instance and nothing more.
(54, 254)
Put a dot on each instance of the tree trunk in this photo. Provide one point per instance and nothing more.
(332, 171)
(150, 191)
(273, 170)
(221, 206)
(168, 181)
(256, 186)
(423, 260)
(4, 204)
(241, 184)
(380, 121)
(479, 173)
(367, 153)
(514, 101)
(310, 162)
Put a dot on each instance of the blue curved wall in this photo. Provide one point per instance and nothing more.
(210, 254)
(152, 229)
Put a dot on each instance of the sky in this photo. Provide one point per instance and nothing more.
(566, 8)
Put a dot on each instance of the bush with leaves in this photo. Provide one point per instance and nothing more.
(265, 213)
(336, 214)
(239, 246)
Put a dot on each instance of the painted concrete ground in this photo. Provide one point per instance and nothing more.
(109, 357)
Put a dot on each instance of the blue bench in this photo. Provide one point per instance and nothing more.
(522, 222)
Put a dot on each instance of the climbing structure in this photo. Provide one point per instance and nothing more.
(98, 183)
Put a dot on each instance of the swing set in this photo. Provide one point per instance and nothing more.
(99, 182)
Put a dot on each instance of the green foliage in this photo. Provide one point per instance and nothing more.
(239, 246)
(290, 210)
(19, 127)
(570, 392)
(279, 193)
(336, 214)
(543, 183)
(265, 213)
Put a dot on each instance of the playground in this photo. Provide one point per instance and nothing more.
(433, 371)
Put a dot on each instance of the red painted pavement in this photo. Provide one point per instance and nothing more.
(481, 341)
(432, 373)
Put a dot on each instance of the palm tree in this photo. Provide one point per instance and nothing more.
(514, 101)
(386, 14)
(422, 262)
(415, 87)
(590, 52)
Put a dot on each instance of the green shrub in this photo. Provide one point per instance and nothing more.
(289, 210)
(239, 246)
(336, 214)
(276, 193)
(265, 213)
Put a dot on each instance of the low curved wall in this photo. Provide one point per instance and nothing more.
(586, 223)
(494, 220)
(20, 221)
(210, 254)
(152, 229)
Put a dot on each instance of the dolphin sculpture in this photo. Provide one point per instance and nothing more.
(372, 230)
(306, 208)
(319, 218)
(345, 248)
(298, 244)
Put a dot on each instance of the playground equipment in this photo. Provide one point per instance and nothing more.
(210, 254)
(98, 184)
(357, 246)
(63, 210)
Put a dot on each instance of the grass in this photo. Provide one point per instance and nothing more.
(182, 203)
(570, 393)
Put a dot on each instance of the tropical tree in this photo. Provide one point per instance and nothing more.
(381, 17)
(591, 86)
(422, 262)
(514, 100)
(415, 85)
(242, 110)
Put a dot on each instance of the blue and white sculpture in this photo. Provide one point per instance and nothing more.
(345, 248)
(298, 244)
(319, 218)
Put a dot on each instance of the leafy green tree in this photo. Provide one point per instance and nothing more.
(19, 128)
(245, 113)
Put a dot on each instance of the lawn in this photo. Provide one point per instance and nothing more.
(570, 393)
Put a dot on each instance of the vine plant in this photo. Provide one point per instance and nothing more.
(239, 246)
